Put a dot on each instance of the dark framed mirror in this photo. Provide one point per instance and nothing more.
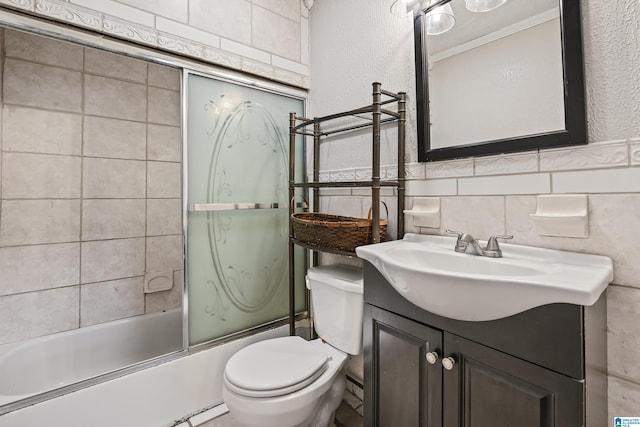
(503, 80)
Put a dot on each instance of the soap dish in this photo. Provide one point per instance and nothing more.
(562, 216)
(425, 212)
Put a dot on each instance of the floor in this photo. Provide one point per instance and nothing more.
(345, 417)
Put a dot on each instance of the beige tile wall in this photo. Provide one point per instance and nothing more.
(269, 38)
(90, 182)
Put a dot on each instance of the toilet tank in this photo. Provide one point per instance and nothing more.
(337, 305)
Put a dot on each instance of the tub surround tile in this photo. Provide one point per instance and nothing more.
(164, 253)
(164, 143)
(116, 66)
(116, 299)
(503, 185)
(245, 50)
(114, 138)
(39, 267)
(42, 86)
(41, 131)
(38, 313)
(112, 259)
(164, 76)
(164, 180)
(112, 179)
(39, 176)
(164, 106)
(30, 222)
(346, 206)
(113, 219)
(42, 50)
(115, 98)
(164, 216)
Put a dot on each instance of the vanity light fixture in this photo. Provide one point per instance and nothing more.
(483, 5)
(438, 20)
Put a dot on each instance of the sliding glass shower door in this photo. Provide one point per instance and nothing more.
(237, 161)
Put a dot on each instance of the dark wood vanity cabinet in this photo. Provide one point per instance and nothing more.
(542, 368)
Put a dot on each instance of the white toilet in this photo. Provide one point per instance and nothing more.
(287, 382)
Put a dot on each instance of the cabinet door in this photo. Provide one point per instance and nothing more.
(401, 387)
(486, 388)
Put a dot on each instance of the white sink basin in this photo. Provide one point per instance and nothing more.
(430, 274)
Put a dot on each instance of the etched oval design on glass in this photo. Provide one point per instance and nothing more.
(248, 248)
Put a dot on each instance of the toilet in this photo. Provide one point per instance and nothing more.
(291, 382)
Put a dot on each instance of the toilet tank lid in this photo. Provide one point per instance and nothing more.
(345, 277)
(274, 364)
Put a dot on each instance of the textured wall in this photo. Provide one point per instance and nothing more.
(269, 38)
(489, 195)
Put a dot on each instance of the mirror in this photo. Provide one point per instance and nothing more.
(504, 80)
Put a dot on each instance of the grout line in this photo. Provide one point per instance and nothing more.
(82, 108)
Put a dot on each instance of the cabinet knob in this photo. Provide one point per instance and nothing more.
(448, 363)
(432, 357)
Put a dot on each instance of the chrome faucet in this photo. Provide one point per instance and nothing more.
(466, 243)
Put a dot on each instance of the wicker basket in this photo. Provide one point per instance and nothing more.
(333, 231)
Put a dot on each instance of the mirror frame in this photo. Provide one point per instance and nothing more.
(575, 132)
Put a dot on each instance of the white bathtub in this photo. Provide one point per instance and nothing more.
(44, 363)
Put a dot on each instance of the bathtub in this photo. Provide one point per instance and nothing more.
(163, 395)
(45, 363)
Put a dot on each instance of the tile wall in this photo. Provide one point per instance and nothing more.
(90, 186)
(268, 38)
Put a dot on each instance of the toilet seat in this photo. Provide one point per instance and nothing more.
(275, 367)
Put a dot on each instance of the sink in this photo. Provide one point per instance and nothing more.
(430, 274)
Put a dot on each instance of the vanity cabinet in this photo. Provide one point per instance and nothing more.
(544, 367)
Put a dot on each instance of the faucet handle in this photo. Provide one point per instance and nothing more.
(492, 244)
(458, 233)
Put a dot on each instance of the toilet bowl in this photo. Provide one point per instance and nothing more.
(291, 382)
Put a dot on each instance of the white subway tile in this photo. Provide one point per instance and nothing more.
(508, 184)
(432, 187)
(449, 169)
(118, 9)
(187, 32)
(602, 155)
(304, 41)
(415, 171)
(244, 50)
(287, 64)
(625, 180)
(274, 33)
(506, 164)
(482, 216)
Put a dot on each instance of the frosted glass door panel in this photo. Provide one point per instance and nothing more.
(238, 260)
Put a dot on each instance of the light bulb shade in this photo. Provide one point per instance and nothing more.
(483, 5)
(440, 20)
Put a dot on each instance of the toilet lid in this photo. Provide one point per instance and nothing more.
(281, 364)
